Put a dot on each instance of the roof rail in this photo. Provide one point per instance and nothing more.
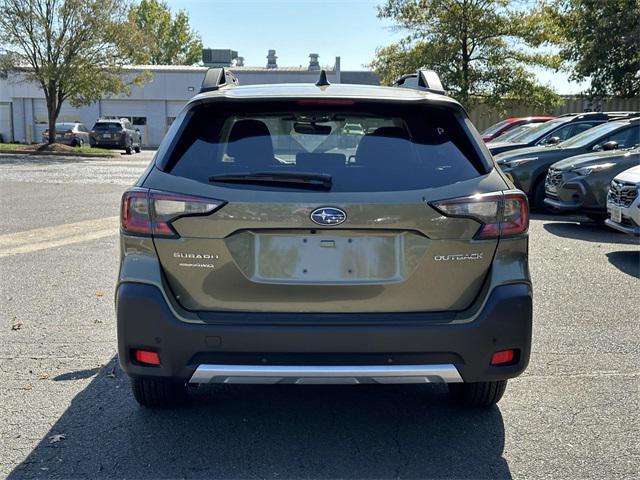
(421, 80)
(216, 78)
(621, 115)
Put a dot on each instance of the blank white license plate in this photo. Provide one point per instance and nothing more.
(616, 214)
(106, 135)
(320, 259)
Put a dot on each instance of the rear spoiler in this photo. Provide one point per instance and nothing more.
(216, 78)
(427, 80)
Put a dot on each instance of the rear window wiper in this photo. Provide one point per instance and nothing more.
(315, 181)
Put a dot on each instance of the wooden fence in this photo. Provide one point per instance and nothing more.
(483, 117)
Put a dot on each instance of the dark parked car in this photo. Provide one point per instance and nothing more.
(116, 134)
(508, 124)
(255, 251)
(74, 134)
(554, 131)
(527, 167)
(581, 183)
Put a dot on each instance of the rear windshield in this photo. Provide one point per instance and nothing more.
(107, 126)
(374, 148)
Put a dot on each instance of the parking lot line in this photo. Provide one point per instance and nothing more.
(57, 236)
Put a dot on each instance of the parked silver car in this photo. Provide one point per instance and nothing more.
(623, 202)
(74, 134)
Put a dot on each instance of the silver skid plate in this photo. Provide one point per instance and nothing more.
(332, 374)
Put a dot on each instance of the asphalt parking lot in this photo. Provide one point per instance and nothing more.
(66, 410)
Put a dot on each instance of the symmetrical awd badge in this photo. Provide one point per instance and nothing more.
(328, 216)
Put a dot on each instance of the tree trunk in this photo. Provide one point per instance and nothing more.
(52, 125)
(464, 84)
(52, 110)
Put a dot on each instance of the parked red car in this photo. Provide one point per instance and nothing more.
(499, 128)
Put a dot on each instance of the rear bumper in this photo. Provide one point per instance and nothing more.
(64, 141)
(145, 321)
(121, 143)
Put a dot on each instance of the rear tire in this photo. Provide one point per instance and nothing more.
(479, 394)
(538, 195)
(158, 392)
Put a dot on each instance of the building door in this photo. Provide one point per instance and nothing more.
(5, 122)
(134, 111)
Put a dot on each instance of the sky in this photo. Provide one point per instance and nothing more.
(349, 29)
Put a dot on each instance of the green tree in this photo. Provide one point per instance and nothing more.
(74, 49)
(170, 40)
(480, 48)
(600, 40)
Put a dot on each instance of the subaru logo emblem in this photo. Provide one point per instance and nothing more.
(328, 216)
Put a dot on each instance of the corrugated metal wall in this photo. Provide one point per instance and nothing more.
(483, 117)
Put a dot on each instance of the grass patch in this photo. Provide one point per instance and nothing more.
(12, 146)
(56, 148)
(92, 150)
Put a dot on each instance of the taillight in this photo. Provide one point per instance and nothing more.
(146, 212)
(515, 214)
(134, 212)
(499, 213)
(167, 207)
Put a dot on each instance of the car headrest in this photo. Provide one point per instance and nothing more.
(315, 162)
(250, 144)
(382, 146)
(391, 132)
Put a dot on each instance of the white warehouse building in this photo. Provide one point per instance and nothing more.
(153, 106)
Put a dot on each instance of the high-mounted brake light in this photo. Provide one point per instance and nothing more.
(147, 212)
(501, 214)
(325, 101)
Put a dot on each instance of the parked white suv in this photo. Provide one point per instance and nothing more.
(623, 202)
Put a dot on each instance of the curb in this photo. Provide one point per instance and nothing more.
(59, 154)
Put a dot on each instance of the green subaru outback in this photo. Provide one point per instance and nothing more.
(260, 247)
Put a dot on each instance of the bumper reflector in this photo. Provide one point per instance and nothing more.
(503, 357)
(146, 357)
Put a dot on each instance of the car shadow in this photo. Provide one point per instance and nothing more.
(36, 160)
(551, 216)
(245, 431)
(76, 375)
(626, 261)
(589, 231)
